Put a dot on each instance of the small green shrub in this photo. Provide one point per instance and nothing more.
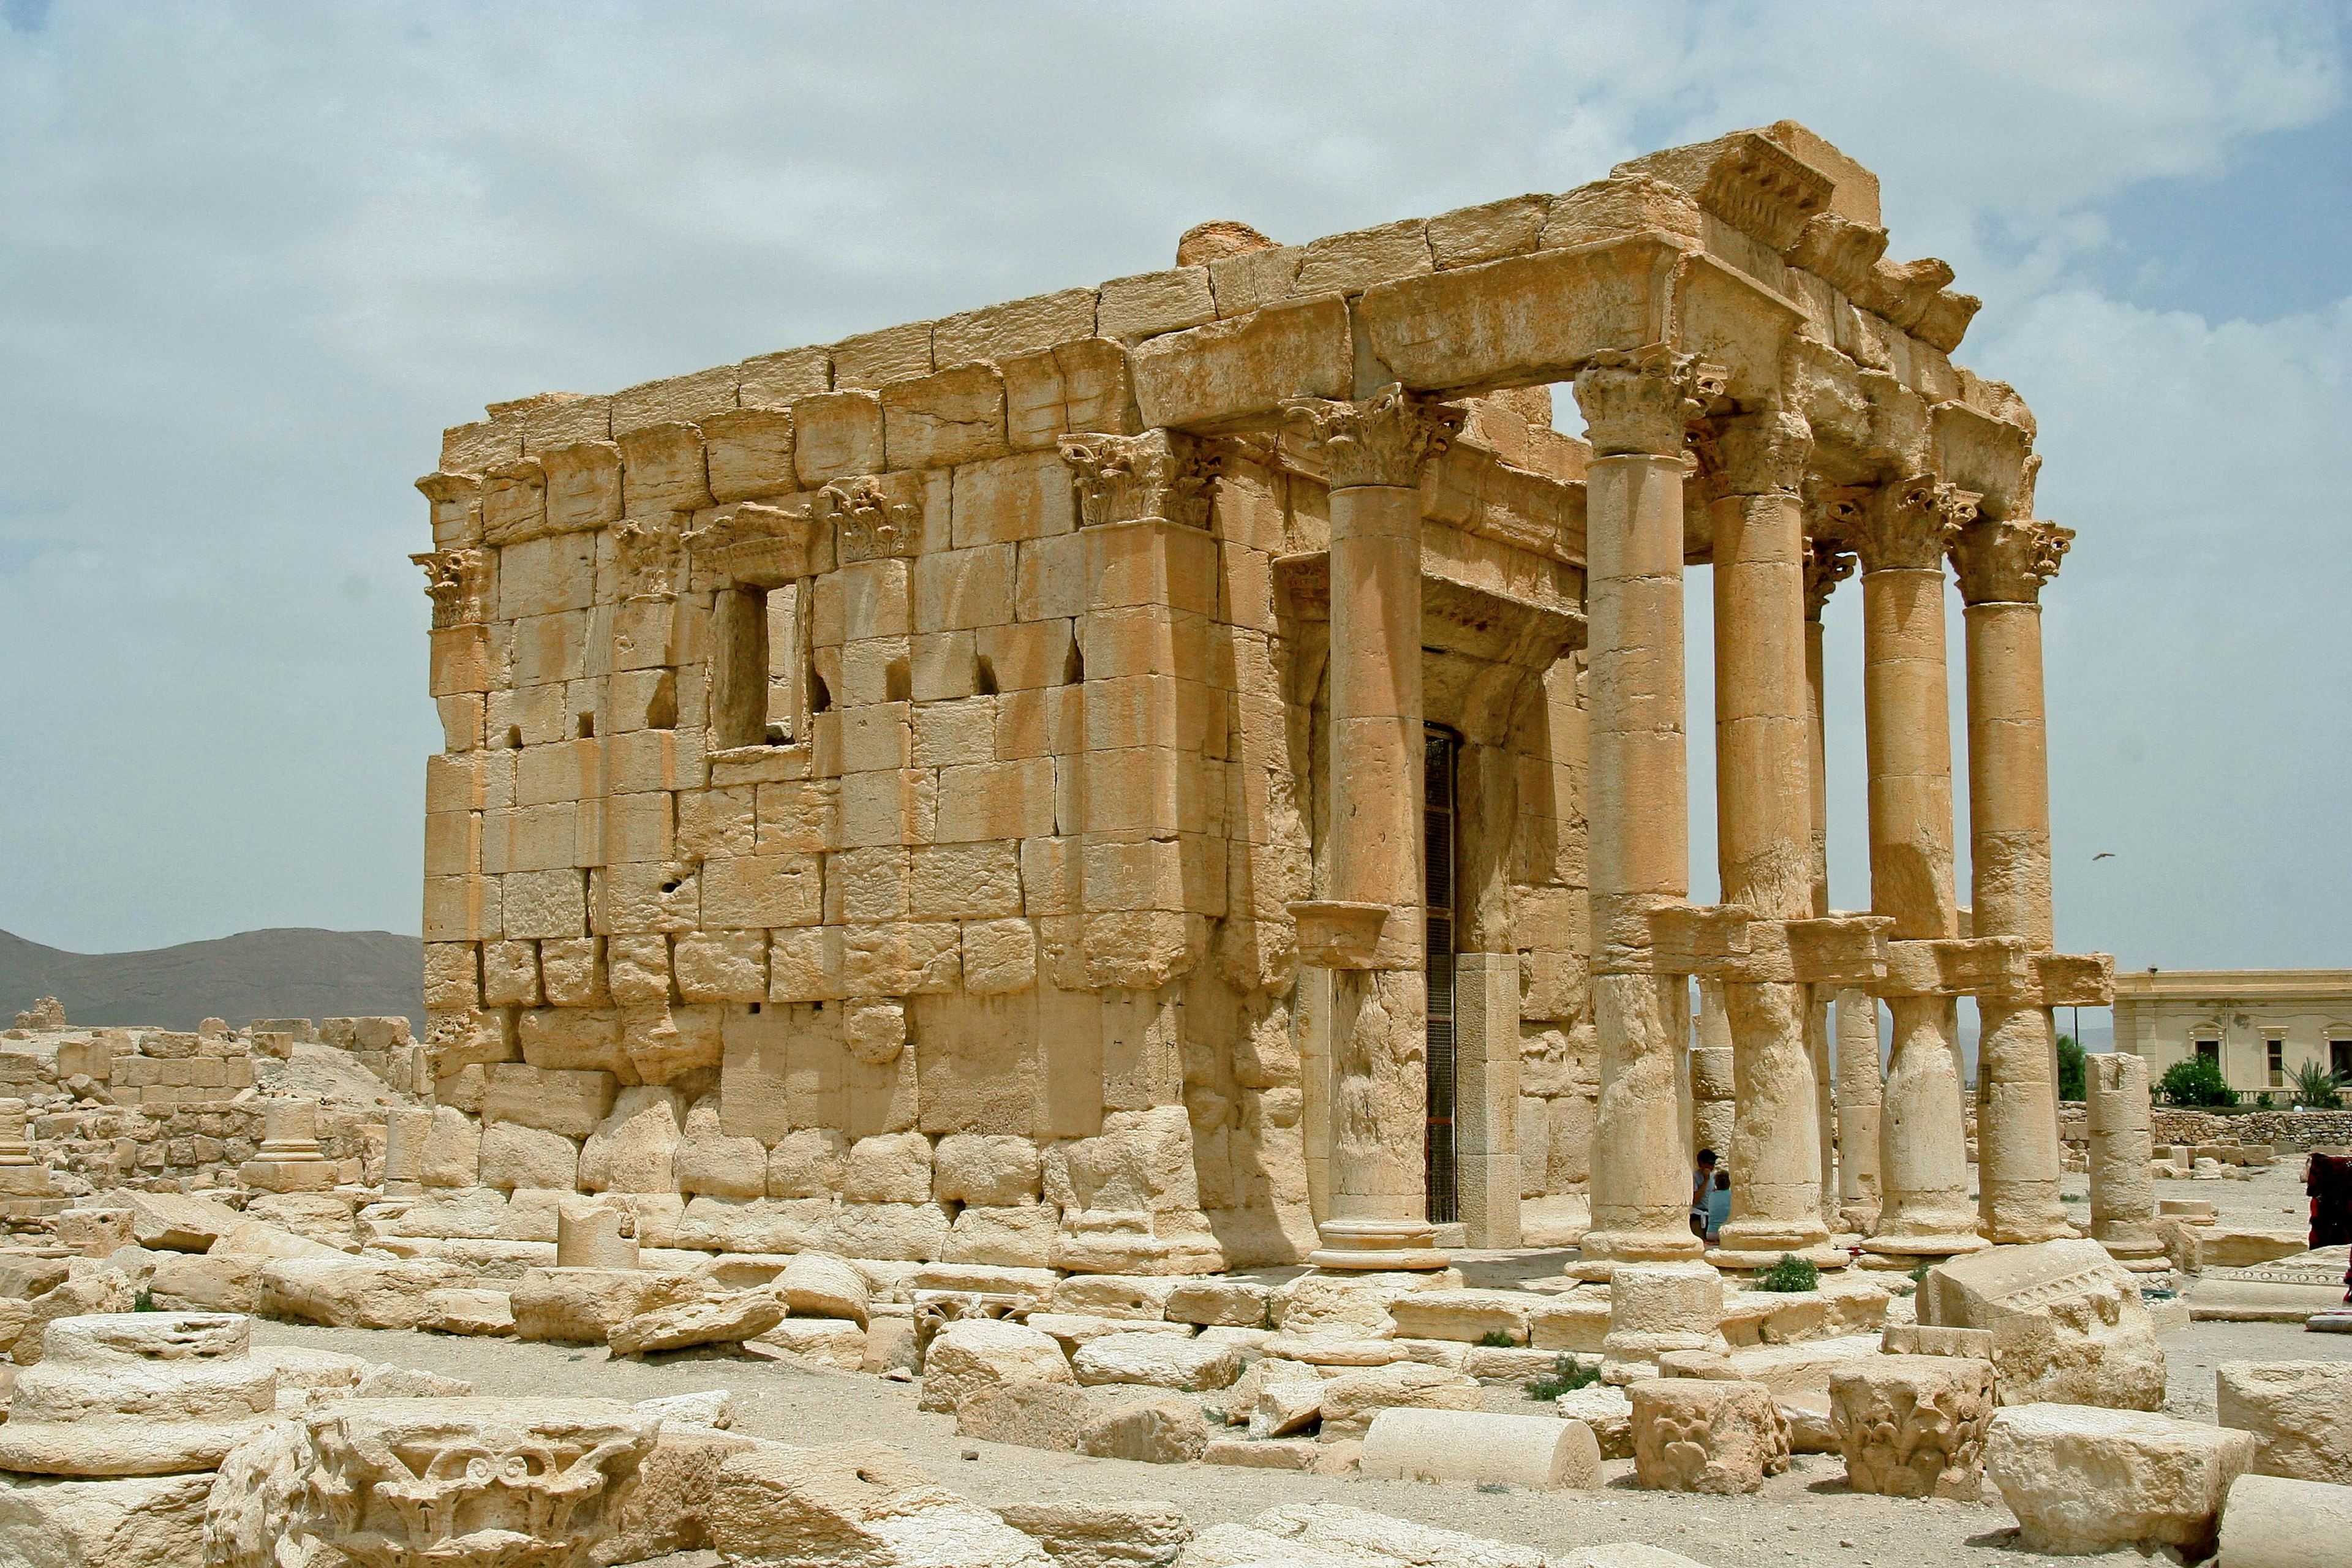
(1567, 1375)
(2073, 1072)
(1497, 1340)
(1920, 1275)
(143, 1302)
(1791, 1275)
(2197, 1081)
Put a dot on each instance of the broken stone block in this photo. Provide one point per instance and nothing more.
(1655, 1307)
(175, 1222)
(1538, 1452)
(466, 1311)
(1696, 1436)
(583, 1306)
(1164, 1431)
(1104, 1534)
(2083, 1480)
(2067, 1322)
(1277, 1453)
(721, 1320)
(1326, 1534)
(966, 1356)
(1913, 1425)
(2300, 1412)
(57, 1523)
(818, 1284)
(821, 1342)
(669, 1510)
(1027, 1410)
(1608, 1411)
(1224, 1303)
(137, 1393)
(354, 1292)
(2272, 1521)
(1466, 1315)
(1351, 1400)
(1162, 1361)
(854, 1502)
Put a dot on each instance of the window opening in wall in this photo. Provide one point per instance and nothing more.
(2275, 1060)
(1438, 1152)
(2210, 1050)
(898, 683)
(760, 679)
(2339, 1057)
(586, 728)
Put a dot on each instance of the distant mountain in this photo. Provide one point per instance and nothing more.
(284, 974)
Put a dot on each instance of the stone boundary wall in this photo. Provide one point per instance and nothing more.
(2288, 1131)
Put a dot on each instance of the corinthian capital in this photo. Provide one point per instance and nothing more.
(1641, 402)
(2005, 562)
(1908, 524)
(1828, 562)
(1121, 479)
(1381, 440)
(459, 583)
(1759, 454)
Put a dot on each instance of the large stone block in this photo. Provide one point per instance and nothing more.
(355, 1293)
(1698, 1435)
(1351, 1400)
(2067, 1322)
(1027, 1411)
(2270, 1522)
(1104, 1534)
(2300, 1412)
(583, 1306)
(1159, 1360)
(977, 1353)
(2083, 1479)
(1913, 1425)
(634, 1148)
(143, 1519)
(566, 1100)
(1538, 1452)
(1168, 1430)
(1233, 372)
(862, 1503)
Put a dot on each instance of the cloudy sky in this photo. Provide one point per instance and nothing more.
(253, 257)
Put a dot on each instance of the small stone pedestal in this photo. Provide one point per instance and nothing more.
(26, 1190)
(290, 1159)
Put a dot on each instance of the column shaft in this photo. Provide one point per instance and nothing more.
(1638, 823)
(1764, 807)
(2019, 1166)
(2122, 1146)
(1858, 1092)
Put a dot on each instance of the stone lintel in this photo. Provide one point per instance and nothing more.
(2076, 979)
(1956, 967)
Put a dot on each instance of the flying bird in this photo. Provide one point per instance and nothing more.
(2104, 854)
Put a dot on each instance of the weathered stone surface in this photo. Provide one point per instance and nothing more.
(1706, 1437)
(158, 1519)
(729, 1319)
(823, 1341)
(1466, 1315)
(1162, 1360)
(1539, 1453)
(1608, 1411)
(1225, 1303)
(1913, 1425)
(816, 1285)
(2083, 1479)
(1104, 1534)
(137, 1393)
(1027, 1410)
(354, 1293)
(1164, 1431)
(175, 1222)
(2300, 1412)
(854, 1503)
(2067, 1322)
(669, 1510)
(1350, 1401)
(2270, 1521)
(1320, 1533)
(466, 1311)
(583, 1306)
(966, 1356)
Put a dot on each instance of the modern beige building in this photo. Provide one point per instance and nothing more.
(2260, 1025)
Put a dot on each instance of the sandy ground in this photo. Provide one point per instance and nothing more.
(1806, 1513)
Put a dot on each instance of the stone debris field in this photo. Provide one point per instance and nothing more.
(1063, 936)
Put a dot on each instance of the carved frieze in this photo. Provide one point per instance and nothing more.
(2005, 562)
(870, 524)
(1383, 439)
(459, 583)
(1121, 479)
(650, 553)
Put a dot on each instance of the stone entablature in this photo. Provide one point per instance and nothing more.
(949, 733)
(2162, 1014)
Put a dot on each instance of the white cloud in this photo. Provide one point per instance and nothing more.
(256, 254)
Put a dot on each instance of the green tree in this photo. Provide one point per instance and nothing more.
(2316, 1089)
(2197, 1081)
(2073, 1073)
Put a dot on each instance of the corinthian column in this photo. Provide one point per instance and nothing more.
(1764, 833)
(2002, 565)
(1636, 407)
(1850, 1127)
(1901, 532)
(1370, 933)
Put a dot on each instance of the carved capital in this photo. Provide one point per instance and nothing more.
(870, 523)
(1641, 402)
(649, 553)
(1828, 562)
(1381, 440)
(1759, 454)
(1909, 524)
(459, 583)
(1121, 479)
(2005, 562)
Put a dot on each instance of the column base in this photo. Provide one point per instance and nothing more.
(1602, 1251)
(1744, 1260)
(1378, 1246)
(1906, 1253)
(1859, 1217)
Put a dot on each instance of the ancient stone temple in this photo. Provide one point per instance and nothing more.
(1189, 771)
